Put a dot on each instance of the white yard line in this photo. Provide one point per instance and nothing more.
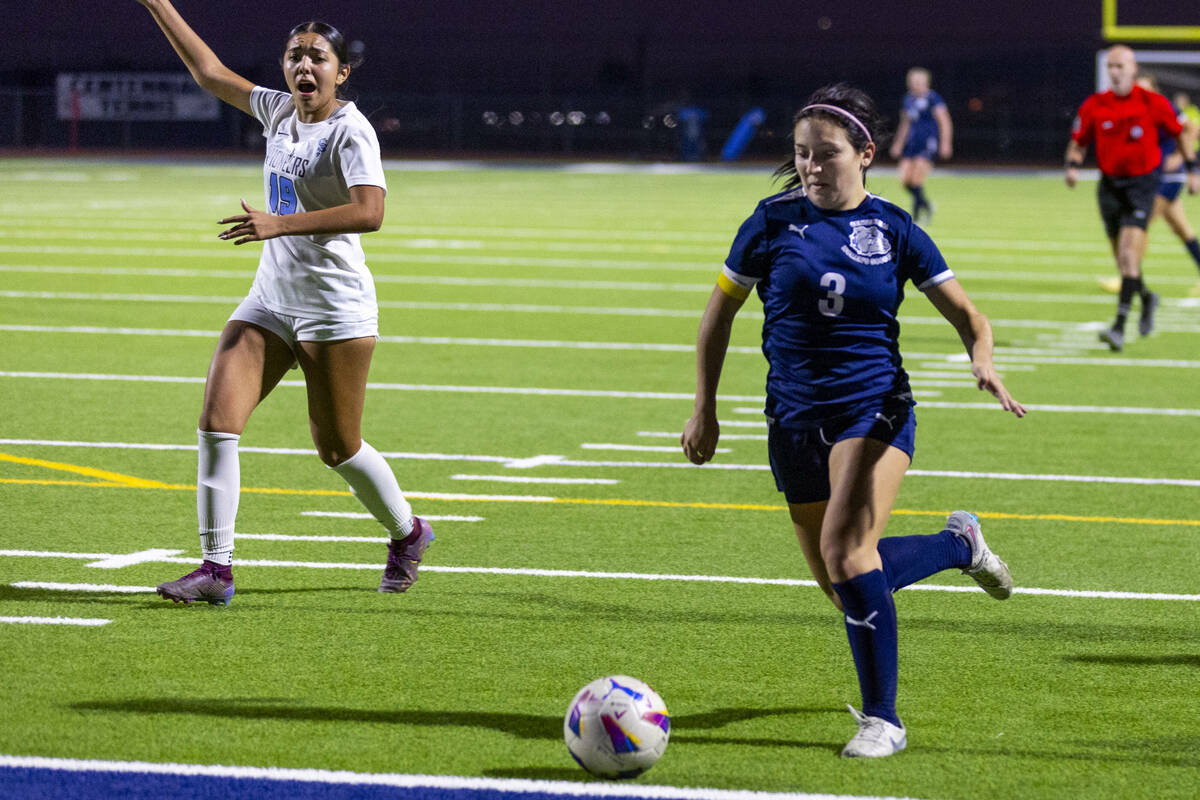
(288, 537)
(107, 588)
(528, 479)
(446, 280)
(364, 515)
(725, 437)
(561, 461)
(638, 448)
(397, 387)
(83, 622)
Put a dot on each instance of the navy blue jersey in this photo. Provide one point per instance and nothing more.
(831, 284)
(919, 110)
(1166, 142)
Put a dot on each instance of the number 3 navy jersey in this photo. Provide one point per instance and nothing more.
(310, 166)
(831, 284)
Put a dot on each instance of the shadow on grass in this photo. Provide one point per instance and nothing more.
(149, 599)
(523, 726)
(1123, 660)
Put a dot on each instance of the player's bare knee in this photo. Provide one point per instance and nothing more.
(213, 421)
(335, 451)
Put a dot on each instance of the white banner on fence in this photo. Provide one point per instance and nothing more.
(141, 96)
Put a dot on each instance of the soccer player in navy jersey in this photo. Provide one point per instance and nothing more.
(1168, 203)
(923, 136)
(829, 262)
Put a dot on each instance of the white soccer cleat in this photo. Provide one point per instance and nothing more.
(876, 737)
(986, 568)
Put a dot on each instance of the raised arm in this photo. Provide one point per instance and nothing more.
(207, 70)
(976, 333)
(700, 435)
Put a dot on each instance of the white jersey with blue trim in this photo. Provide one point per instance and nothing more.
(831, 284)
(311, 166)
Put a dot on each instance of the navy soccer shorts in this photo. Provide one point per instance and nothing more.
(800, 458)
(1172, 184)
(925, 147)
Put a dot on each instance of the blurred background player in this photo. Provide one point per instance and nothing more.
(312, 302)
(1183, 103)
(924, 135)
(1124, 124)
(829, 262)
(1168, 204)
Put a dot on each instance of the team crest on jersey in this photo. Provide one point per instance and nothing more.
(321, 145)
(869, 243)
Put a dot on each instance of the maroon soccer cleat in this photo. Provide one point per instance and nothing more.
(403, 557)
(211, 583)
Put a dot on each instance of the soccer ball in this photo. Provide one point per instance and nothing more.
(616, 727)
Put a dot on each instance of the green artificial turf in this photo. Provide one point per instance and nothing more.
(492, 278)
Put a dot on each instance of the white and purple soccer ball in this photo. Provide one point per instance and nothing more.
(616, 727)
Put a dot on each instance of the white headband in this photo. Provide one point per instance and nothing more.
(844, 113)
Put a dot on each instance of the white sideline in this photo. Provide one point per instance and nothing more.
(346, 778)
(444, 280)
(82, 622)
(364, 515)
(108, 588)
(507, 308)
(585, 574)
(397, 387)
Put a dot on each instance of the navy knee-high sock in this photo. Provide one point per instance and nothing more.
(908, 559)
(918, 194)
(871, 629)
(1193, 248)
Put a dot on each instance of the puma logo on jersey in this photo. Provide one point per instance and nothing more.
(799, 229)
(862, 623)
(889, 421)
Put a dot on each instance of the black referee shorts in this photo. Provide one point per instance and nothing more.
(1127, 202)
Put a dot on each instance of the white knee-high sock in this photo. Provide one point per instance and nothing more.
(218, 483)
(372, 482)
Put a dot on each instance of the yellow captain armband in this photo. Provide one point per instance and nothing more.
(734, 290)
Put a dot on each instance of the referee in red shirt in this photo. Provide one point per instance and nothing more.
(1124, 123)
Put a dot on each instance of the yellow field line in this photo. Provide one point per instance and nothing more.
(91, 472)
(116, 480)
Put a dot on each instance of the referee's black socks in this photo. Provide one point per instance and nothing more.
(1129, 287)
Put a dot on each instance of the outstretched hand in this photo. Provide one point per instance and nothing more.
(253, 226)
(988, 380)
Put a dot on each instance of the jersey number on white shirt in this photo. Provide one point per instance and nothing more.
(283, 195)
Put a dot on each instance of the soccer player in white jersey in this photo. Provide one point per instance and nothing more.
(829, 262)
(312, 303)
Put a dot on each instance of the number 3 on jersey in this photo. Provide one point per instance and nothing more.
(283, 195)
(831, 305)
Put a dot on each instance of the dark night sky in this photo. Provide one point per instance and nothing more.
(534, 46)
